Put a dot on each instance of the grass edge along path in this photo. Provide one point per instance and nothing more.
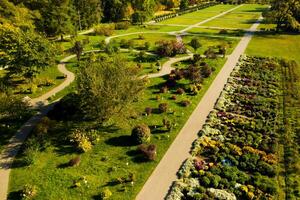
(8, 154)
(179, 150)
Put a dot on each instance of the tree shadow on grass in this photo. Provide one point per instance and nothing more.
(65, 149)
(158, 129)
(63, 165)
(19, 163)
(136, 156)
(121, 141)
(15, 195)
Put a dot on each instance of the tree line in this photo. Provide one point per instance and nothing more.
(58, 17)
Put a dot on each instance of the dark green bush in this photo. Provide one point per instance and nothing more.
(141, 134)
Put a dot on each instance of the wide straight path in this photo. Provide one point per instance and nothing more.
(162, 178)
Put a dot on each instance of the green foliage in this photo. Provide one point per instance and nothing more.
(184, 4)
(28, 192)
(149, 151)
(107, 89)
(78, 49)
(163, 107)
(24, 53)
(88, 13)
(141, 134)
(104, 29)
(122, 25)
(139, 17)
(105, 194)
(81, 140)
(12, 107)
(286, 14)
(170, 48)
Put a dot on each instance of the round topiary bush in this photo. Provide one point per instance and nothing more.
(141, 134)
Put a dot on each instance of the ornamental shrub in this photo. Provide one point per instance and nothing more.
(31, 155)
(149, 151)
(104, 29)
(80, 140)
(164, 89)
(180, 91)
(185, 103)
(28, 192)
(141, 134)
(105, 194)
(122, 25)
(163, 107)
(74, 161)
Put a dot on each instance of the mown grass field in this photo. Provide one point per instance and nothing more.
(207, 42)
(275, 45)
(241, 18)
(195, 17)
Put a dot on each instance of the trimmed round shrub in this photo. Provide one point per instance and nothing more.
(163, 107)
(141, 134)
(180, 91)
(185, 103)
(149, 151)
(173, 97)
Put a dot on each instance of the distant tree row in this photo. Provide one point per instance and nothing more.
(58, 17)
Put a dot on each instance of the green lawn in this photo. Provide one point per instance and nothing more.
(152, 38)
(251, 8)
(241, 18)
(114, 156)
(207, 42)
(195, 17)
(277, 45)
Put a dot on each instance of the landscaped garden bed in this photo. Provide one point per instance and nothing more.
(236, 155)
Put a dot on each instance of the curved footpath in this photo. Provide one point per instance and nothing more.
(8, 154)
(162, 178)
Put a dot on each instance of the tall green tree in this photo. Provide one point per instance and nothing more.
(57, 18)
(108, 88)
(113, 10)
(286, 14)
(184, 4)
(19, 16)
(148, 6)
(88, 13)
(23, 53)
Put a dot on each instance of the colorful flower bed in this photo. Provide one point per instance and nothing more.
(235, 155)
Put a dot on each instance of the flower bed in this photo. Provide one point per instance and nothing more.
(235, 155)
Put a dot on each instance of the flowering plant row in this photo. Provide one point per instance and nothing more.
(235, 155)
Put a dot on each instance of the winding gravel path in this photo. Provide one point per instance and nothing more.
(163, 176)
